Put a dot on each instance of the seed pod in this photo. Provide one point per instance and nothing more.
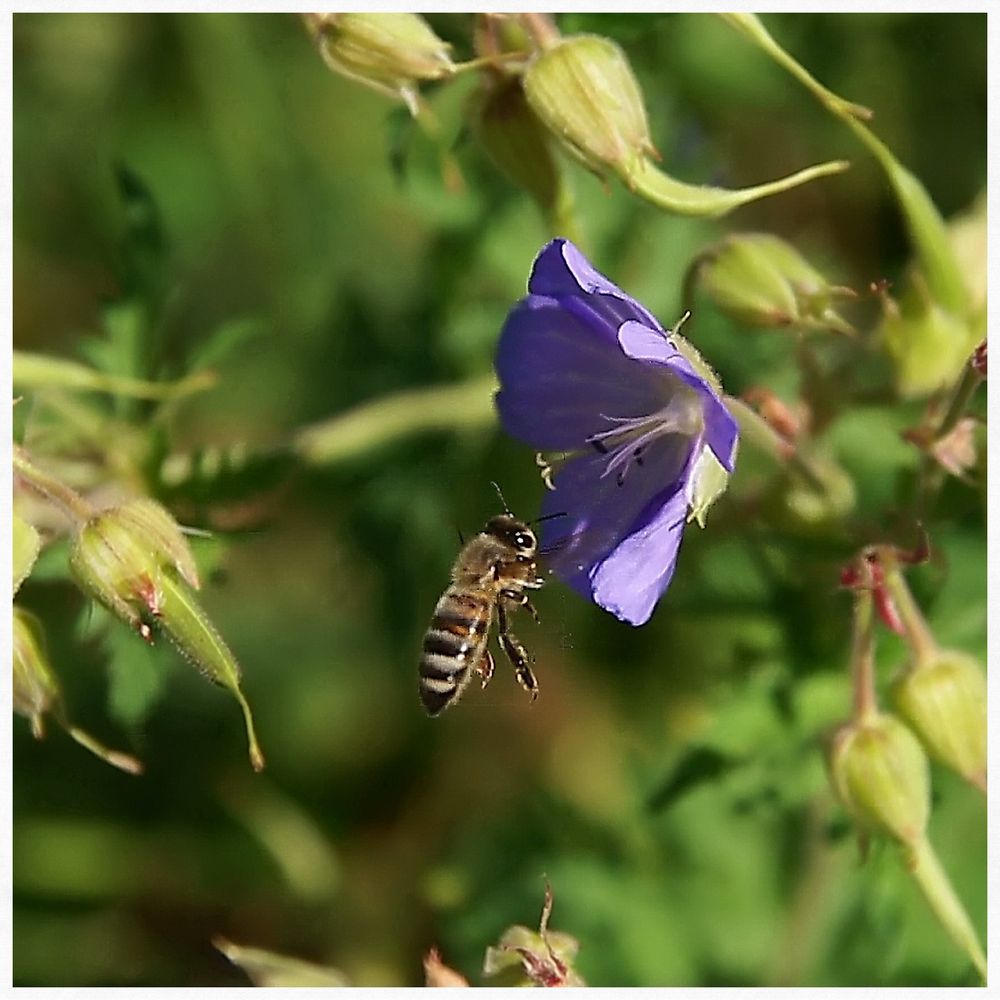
(879, 772)
(584, 92)
(761, 280)
(388, 52)
(37, 692)
(944, 701)
(134, 560)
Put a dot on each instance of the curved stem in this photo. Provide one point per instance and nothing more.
(865, 707)
(918, 634)
(68, 500)
(541, 29)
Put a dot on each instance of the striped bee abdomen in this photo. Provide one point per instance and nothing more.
(452, 646)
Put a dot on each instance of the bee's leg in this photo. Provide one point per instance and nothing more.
(484, 666)
(520, 598)
(517, 654)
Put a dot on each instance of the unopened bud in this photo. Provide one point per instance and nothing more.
(879, 773)
(823, 498)
(515, 139)
(121, 556)
(761, 280)
(928, 345)
(389, 52)
(37, 692)
(944, 701)
(36, 689)
(134, 560)
(584, 91)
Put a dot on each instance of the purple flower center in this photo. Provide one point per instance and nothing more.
(626, 441)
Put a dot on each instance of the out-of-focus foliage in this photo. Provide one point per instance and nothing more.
(199, 194)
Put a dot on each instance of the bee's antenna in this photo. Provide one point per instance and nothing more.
(549, 517)
(506, 509)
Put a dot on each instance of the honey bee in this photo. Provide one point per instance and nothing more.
(490, 576)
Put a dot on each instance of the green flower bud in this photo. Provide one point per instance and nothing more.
(944, 701)
(134, 560)
(928, 345)
(121, 556)
(824, 499)
(879, 773)
(761, 280)
(388, 52)
(584, 92)
(516, 140)
(36, 689)
(37, 692)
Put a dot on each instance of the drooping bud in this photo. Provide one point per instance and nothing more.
(826, 496)
(134, 560)
(37, 692)
(36, 689)
(879, 772)
(944, 701)
(761, 280)
(516, 140)
(928, 345)
(389, 52)
(583, 90)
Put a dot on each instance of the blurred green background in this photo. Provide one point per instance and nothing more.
(669, 780)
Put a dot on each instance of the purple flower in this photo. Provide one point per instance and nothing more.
(644, 440)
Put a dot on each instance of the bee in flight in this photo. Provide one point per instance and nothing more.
(491, 576)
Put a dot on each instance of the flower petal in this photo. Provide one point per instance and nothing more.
(600, 514)
(721, 430)
(633, 578)
(561, 271)
(558, 375)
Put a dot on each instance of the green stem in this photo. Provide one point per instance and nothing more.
(937, 889)
(751, 26)
(68, 500)
(932, 474)
(927, 228)
(865, 705)
(918, 634)
(371, 425)
(541, 29)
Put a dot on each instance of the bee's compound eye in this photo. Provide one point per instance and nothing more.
(524, 540)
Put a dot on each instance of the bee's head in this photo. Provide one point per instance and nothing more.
(513, 532)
